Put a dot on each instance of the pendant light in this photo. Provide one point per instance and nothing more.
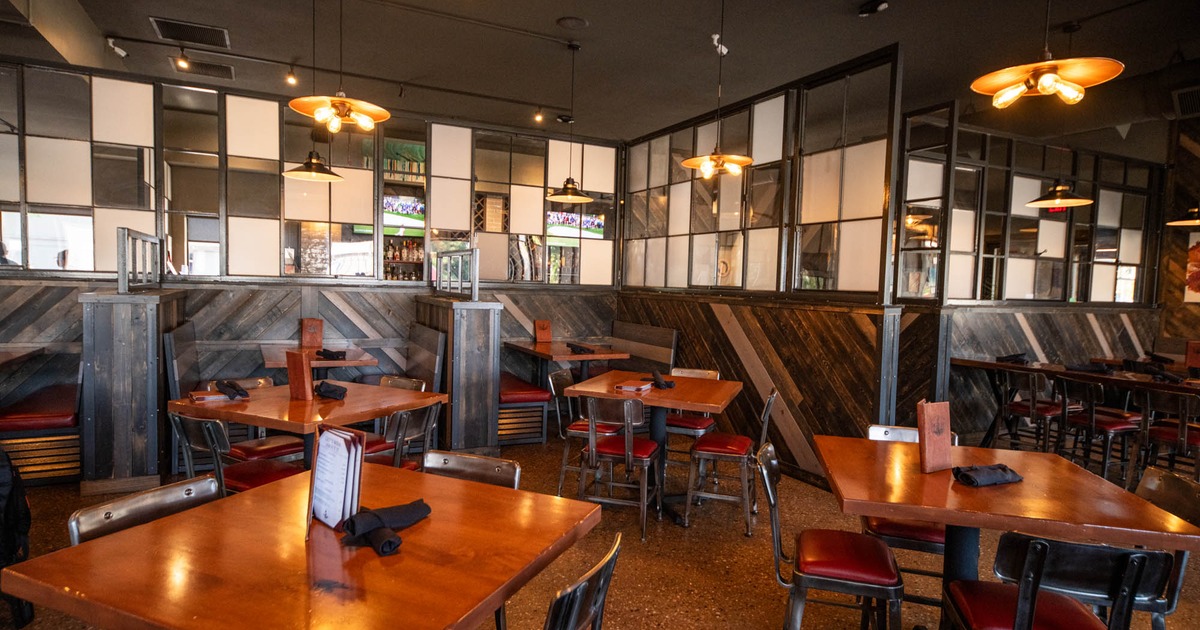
(336, 110)
(1059, 198)
(1191, 219)
(569, 193)
(313, 169)
(1067, 78)
(717, 162)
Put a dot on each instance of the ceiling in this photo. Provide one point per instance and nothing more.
(645, 65)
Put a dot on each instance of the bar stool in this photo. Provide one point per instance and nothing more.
(1094, 421)
(1169, 425)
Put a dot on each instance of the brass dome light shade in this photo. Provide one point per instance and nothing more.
(313, 169)
(1191, 219)
(569, 193)
(335, 110)
(1059, 198)
(716, 162)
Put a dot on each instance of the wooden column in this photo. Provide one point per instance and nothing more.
(123, 387)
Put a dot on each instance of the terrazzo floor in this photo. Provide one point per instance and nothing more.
(707, 576)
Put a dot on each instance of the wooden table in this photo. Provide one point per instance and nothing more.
(700, 395)
(243, 561)
(1057, 499)
(273, 408)
(547, 351)
(274, 356)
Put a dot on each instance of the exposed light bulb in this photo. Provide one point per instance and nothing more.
(538, 117)
(1069, 92)
(334, 124)
(1047, 83)
(734, 169)
(707, 169)
(1008, 95)
(182, 61)
(364, 121)
(291, 77)
(323, 114)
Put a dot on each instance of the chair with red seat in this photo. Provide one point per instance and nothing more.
(577, 428)
(1094, 421)
(1180, 496)
(404, 429)
(1042, 572)
(282, 447)
(831, 560)
(202, 435)
(714, 447)
(637, 454)
(1032, 400)
(1170, 427)
(691, 425)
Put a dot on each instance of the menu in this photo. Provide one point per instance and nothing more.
(337, 476)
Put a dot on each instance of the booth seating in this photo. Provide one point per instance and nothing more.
(40, 432)
(649, 347)
(522, 416)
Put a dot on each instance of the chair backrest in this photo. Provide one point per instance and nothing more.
(1158, 404)
(765, 416)
(406, 427)
(696, 373)
(202, 435)
(886, 433)
(627, 411)
(581, 605)
(257, 382)
(426, 355)
(1097, 575)
(1172, 492)
(649, 347)
(768, 468)
(1084, 392)
(141, 507)
(560, 380)
(481, 468)
(402, 382)
(1026, 385)
(182, 360)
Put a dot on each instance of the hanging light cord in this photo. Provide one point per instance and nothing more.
(574, 46)
(720, 45)
(1046, 39)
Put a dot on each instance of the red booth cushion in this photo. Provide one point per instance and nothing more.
(50, 407)
(515, 390)
(992, 606)
(246, 475)
(723, 444)
(924, 531)
(843, 555)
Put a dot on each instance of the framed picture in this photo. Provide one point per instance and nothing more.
(1191, 285)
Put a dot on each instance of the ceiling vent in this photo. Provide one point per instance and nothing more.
(205, 69)
(1187, 102)
(189, 33)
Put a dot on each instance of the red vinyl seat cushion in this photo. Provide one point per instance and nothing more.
(1108, 419)
(252, 474)
(375, 443)
(924, 531)
(992, 606)
(1169, 433)
(615, 446)
(51, 407)
(723, 444)
(1044, 408)
(690, 422)
(842, 555)
(385, 459)
(580, 428)
(515, 390)
(266, 448)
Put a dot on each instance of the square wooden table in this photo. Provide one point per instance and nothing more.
(1057, 499)
(243, 561)
(560, 350)
(275, 356)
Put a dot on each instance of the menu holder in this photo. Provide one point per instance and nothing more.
(336, 480)
(541, 331)
(299, 371)
(312, 332)
(933, 426)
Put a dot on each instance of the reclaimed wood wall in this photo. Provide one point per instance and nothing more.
(916, 361)
(44, 314)
(579, 314)
(1180, 320)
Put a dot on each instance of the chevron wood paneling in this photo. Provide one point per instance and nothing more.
(41, 313)
(574, 315)
(916, 363)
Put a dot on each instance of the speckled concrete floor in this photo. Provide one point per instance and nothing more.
(706, 576)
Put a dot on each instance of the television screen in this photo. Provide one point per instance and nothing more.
(574, 224)
(403, 211)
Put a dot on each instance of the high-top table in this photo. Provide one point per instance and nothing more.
(243, 561)
(560, 350)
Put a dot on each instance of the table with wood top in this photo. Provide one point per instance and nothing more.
(699, 395)
(274, 356)
(273, 408)
(243, 560)
(560, 350)
(1057, 499)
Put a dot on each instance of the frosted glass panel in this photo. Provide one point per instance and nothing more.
(304, 200)
(962, 231)
(106, 221)
(493, 256)
(449, 204)
(353, 198)
(60, 241)
(564, 159)
(1018, 279)
(677, 261)
(822, 183)
(704, 260)
(660, 159)
(864, 182)
(526, 210)
(961, 275)
(599, 169)
(1109, 214)
(58, 171)
(762, 258)
(767, 139)
(122, 112)
(1052, 239)
(639, 160)
(252, 128)
(1025, 190)
(680, 208)
(635, 263)
(1131, 247)
(924, 180)
(595, 262)
(253, 247)
(1104, 283)
(858, 255)
(656, 262)
(729, 260)
(450, 151)
(729, 208)
(10, 174)
(706, 138)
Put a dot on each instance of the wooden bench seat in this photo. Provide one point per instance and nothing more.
(40, 433)
(522, 416)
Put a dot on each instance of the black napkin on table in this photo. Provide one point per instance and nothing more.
(331, 355)
(993, 475)
(1163, 375)
(578, 349)
(1018, 358)
(1158, 358)
(660, 382)
(325, 389)
(232, 390)
(377, 528)
(1094, 368)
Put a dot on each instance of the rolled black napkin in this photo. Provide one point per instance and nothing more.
(377, 528)
(331, 355)
(578, 349)
(1018, 358)
(1165, 376)
(659, 381)
(993, 475)
(1095, 368)
(231, 389)
(1158, 358)
(325, 389)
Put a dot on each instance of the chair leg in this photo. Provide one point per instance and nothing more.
(744, 469)
(642, 488)
(894, 614)
(693, 466)
(562, 471)
(795, 613)
(501, 618)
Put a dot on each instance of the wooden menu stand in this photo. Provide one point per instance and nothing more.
(933, 425)
(299, 371)
(541, 331)
(312, 332)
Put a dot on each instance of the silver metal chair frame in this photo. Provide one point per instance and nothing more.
(633, 415)
(141, 507)
(581, 605)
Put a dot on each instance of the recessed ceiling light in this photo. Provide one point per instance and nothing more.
(572, 23)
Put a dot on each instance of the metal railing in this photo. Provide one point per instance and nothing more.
(139, 258)
(458, 273)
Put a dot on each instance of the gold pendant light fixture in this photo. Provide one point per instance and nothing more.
(570, 193)
(1059, 198)
(1067, 78)
(1190, 219)
(716, 162)
(313, 169)
(336, 110)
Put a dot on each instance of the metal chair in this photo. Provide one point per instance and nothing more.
(283, 447)
(826, 559)
(403, 430)
(1031, 399)
(1094, 421)
(636, 454)
(558, 381)
(202, 435)
(381, 442)
(691, 425)
(403, 382)
(141, 507)
(1180, 496)
(711, 448)
(1169, 425)
(576, 429)
(581, 605)
(1052, 583)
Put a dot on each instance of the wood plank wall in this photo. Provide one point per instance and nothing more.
(1180, 321)
(575, 315)
(46, 314)
(916, 363)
